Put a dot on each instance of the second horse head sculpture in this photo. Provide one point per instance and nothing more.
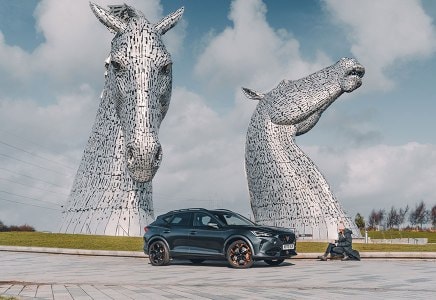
(286, 188)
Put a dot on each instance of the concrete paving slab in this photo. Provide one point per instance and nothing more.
(44, 292)
(112, 277)
(29, 290)
(60, 292)
(94, 292)
(140, 254)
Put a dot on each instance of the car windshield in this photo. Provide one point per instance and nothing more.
(229, 218)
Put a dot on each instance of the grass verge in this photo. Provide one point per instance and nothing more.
(315, 247)
(395, 234)
(71, 241)
(98, 242)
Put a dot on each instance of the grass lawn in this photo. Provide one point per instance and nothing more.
(395, 234)
(96, 242)
(315, 247)
(72, 241)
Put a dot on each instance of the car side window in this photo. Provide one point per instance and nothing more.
(183, 219)
(230, 219)
(167, 219)
(202, 219)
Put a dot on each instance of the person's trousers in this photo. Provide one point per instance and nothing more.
(334, 250)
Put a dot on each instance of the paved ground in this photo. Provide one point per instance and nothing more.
(56, 276)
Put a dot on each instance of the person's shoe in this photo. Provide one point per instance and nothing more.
(346, 258)
(323, 257)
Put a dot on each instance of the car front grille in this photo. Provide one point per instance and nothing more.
(286, 238)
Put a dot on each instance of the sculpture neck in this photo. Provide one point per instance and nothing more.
(266, 135)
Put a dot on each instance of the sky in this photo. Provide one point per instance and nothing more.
(375, 146)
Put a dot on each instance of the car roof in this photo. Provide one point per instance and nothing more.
(196, 209)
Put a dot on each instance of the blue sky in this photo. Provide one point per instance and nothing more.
(375, 146)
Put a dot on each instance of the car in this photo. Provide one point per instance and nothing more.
(199, 234)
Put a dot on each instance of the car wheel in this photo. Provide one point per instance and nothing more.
(158, 254)
(274, 262)
(240, 255)
(197, 261)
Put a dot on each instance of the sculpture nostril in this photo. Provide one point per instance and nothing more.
(130, 154)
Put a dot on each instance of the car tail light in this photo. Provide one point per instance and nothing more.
(145, 229)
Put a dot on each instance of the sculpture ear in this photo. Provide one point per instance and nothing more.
(113, 23)
(251, 94)
(169, 21)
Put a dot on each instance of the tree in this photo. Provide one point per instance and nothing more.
(412, 218)
(372, 219)
(392, 219)
(24, 227)
(402, 216)
(3, 227)
(419, 215)
(380, 217)
(360, 221)
(433, 216)
(376, 219)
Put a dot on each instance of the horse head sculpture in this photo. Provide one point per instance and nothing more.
(286, 188)
(112, 190)
(293, 102)
(138, 82)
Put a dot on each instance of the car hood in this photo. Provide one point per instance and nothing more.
(271, 229)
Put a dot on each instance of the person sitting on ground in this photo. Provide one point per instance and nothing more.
(343, 246)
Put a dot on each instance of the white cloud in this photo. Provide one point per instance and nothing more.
(384, 34)
(379, 176)
(203, 161)
(76, 43)
(33, 188)
(252, 52)
(354, 128)
(12, 58)
(59, 125)
(40, 150)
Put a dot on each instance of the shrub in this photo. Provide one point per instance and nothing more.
(24, 227)
(3, 227)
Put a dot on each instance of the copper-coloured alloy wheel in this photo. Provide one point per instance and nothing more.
(240, 255)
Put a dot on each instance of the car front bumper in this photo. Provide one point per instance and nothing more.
(274, 248)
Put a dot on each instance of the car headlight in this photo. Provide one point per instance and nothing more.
(261, 233)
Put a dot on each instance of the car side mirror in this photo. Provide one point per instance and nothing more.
(213, 225)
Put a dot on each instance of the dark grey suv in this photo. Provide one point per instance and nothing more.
(199, 234)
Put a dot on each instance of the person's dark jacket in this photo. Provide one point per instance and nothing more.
(346, 242)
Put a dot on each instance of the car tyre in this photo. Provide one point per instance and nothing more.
(240, 255)
(274, 262)
(197, 261)
(159, 254)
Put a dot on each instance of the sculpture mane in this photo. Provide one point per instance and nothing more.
(286, 188)
(112, 191)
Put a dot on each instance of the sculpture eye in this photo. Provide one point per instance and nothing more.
(116, 65)
(166, 69)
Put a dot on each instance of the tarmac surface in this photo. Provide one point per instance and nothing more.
(29, 275)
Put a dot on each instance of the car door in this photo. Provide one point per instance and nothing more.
(206, 240)
(178, 232)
